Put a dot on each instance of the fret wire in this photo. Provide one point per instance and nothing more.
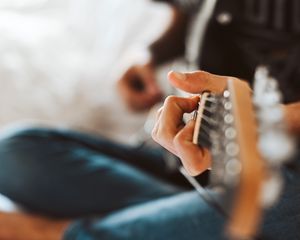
(205, 124)
(210, 110)
(209, 120)
(210, 99)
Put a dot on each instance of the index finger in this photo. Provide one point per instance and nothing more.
(174, 108)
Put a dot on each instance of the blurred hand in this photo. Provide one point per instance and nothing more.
(138, 87)
(170, 130)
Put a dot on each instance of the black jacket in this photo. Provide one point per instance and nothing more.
(257, 32)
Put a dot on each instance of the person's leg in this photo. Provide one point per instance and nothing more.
(180, 217)
(185, 216)
(282, 221)
(68, 174)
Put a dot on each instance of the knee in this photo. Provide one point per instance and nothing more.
(16, 145)
(14, 137)
(21, 155)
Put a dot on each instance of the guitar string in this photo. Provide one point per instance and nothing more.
(210, 109)
(209, 120)
(205, 129)
(211, 100)
(203, 192)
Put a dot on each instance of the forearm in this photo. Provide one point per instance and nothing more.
(292, 116)
(172, 43)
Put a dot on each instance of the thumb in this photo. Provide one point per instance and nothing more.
(199, 81)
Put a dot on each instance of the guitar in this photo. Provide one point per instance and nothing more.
(248, 141)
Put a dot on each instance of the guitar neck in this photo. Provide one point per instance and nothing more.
(226, 124)
(247, 201)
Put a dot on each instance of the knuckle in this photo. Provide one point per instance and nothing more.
(170, 100)
(159, 111)
(192, 171)
(154, 134)
(178, 139)
(158, 114)
(163, 137)
(157, 135)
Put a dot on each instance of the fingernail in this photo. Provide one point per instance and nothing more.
(180, 76)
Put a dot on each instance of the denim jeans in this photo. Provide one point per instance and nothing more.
(119, 192)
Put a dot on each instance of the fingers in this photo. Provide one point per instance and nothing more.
(169, 120)
(199, 81)
(178, 140)
(194, 159)
(158, 114)
(170, 132)
(174, 108)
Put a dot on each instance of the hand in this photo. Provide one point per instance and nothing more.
(170, 131)
(138, 87)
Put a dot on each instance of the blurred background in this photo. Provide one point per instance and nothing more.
(60, 60)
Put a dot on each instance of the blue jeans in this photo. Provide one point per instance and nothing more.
(118, 192)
